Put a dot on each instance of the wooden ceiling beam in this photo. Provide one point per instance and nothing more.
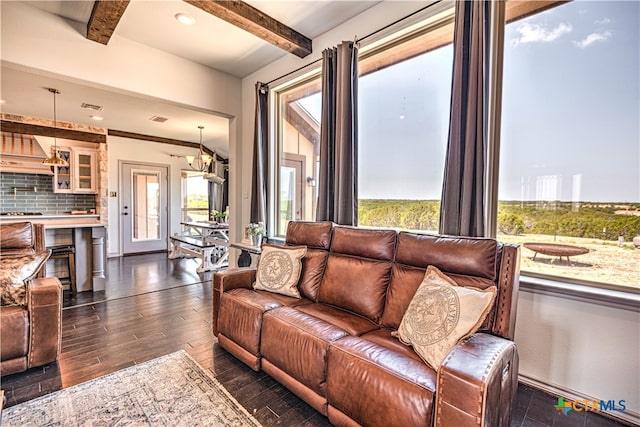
(162, 140)
(32, 129)
(104, 19)
(250, 19)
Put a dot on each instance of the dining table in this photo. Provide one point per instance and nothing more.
(207, 240)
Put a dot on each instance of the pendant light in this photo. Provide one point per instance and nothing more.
(55, 159)
(213, 175)
(202, 161)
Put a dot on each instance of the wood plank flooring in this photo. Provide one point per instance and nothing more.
(104, 337)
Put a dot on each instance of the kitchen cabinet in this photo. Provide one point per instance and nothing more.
(80, 175)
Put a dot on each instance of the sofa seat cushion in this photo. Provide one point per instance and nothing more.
(384, 338)
(297, 343)
(393, 387)
(14, 330)
(350, 322)
(241, 313)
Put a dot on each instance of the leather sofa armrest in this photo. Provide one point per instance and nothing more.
(44, 304)
(226, 280)
(477, 383)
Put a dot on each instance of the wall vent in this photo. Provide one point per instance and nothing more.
(91, 107)
(158, 119)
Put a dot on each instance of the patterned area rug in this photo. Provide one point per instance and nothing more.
(172, 390)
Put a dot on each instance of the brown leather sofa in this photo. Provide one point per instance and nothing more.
(31, 334)
(334, 348)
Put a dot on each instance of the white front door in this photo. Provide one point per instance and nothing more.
(144, 208)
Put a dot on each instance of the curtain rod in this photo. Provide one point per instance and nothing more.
(360, 39)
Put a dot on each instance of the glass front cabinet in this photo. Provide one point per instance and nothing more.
(80, 175)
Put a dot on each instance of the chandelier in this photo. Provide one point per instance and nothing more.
(55, 159)
(202, 161)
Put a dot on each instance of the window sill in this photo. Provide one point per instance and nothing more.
(608, 297)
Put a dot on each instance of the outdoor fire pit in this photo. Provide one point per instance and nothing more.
(555, 249)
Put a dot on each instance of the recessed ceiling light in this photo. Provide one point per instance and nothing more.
(2, 101)
(185, 19)
(97, 117)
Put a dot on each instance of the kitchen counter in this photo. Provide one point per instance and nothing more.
(57, 221)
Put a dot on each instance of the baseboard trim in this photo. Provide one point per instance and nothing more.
(625, 417)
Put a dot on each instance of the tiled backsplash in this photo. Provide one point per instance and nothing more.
(44, 200)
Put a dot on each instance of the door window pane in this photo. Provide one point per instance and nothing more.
(569, 180)
(146, 204)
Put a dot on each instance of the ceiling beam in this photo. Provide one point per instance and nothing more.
(250, 19)
(162, 140)
(104, 18)
(31, 129)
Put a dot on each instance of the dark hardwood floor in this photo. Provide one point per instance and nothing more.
(135, 275)
(103, 337)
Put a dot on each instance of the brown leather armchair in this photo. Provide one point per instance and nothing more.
(30, 335)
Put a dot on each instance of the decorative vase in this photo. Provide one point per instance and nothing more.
(256, 239)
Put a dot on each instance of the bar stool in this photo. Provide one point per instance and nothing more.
(68, 252)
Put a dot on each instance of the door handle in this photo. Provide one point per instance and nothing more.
(125, 213)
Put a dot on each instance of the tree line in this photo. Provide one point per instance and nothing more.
(584, 219)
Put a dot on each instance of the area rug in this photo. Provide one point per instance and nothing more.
(172, 390)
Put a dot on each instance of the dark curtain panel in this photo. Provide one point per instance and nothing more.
(337, 186)
(225, 189)
(218, 194)
(462, 208)
(260, 157)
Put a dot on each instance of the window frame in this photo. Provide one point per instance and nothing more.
(417, 39)
(293, 89)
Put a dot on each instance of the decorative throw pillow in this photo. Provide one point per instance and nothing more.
(15, 271)
(442, 313)
(279, 269)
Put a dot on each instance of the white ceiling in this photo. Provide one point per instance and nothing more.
(210, 41)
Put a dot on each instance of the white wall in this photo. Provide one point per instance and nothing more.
(584, 347)
(576, 346)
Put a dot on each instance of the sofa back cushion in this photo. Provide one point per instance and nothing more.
(17, 238)
(467, 256)
(358, 270)
(310, 234)
(316, 236)
(467, 260)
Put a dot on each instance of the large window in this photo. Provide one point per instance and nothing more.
(569, 178)
(569, 162)
(298, 135)
(403, 126)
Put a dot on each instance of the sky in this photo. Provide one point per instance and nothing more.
(571, 112)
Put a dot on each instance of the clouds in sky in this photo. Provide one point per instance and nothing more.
(603, 21)
(534, 33)
(592, 38)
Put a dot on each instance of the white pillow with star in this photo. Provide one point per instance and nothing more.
(441, 314)
(279, 269)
